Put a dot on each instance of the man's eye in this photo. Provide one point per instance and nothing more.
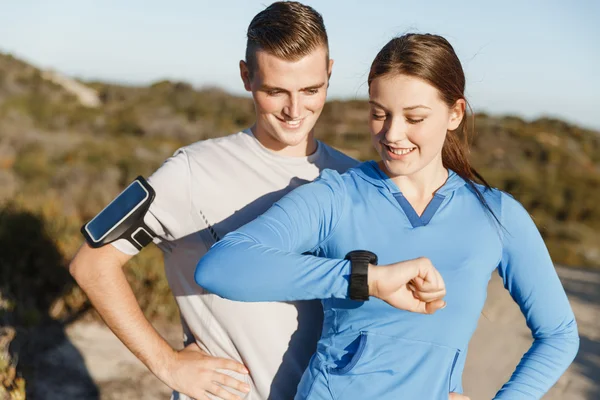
(312, 91)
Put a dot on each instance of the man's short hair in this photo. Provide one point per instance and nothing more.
(286, 29)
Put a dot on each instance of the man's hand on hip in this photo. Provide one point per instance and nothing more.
(194, 373)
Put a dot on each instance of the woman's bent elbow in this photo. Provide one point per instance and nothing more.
(204, 277)
(570, 341)
(574, 342)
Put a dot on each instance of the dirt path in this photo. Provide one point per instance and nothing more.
(116, 372)
(103, 369)
(502, 337)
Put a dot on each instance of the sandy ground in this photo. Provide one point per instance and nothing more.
(502, 337)
(91, 363)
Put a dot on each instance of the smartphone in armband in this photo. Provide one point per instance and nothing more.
(123, 218)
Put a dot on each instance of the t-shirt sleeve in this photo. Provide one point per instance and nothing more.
(531, 278)
(169, 215)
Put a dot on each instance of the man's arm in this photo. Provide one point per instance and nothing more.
(99, 272)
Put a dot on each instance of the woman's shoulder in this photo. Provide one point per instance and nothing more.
(502, 203)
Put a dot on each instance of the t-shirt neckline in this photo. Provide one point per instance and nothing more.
(257, 146)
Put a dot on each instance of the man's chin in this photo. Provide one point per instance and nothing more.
(292, 137)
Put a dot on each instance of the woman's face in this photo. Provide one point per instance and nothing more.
(409, 122)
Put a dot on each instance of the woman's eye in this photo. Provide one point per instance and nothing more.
(378, 117)
(414, 121)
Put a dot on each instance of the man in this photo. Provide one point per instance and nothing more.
(212, 187)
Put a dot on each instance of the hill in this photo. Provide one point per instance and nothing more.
(68, 147)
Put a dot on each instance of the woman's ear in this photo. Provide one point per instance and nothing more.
(457, 113)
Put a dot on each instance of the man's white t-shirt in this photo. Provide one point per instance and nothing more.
(204, 191)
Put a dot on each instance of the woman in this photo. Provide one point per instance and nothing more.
(419, 200)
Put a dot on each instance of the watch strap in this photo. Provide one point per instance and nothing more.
(359, 273)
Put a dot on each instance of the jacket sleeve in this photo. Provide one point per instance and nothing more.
(530, 277)
(271, 258)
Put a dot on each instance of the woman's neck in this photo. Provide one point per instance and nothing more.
(420, 187)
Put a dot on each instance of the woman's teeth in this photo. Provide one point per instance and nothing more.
(399, 151)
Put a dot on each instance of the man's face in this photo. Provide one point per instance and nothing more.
(288, 97)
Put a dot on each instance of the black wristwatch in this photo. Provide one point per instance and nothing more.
(359, 273)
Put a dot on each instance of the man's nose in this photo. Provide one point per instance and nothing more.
(292, 108)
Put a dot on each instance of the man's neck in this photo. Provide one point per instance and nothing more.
(303, 149)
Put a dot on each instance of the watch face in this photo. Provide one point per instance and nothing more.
(130, 199)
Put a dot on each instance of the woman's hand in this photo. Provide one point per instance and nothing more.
(458, 396)
(413, 285)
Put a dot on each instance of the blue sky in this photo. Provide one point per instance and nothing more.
(526, 58)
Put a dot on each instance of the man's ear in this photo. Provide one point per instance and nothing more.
(329, 69)
(245, 75)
